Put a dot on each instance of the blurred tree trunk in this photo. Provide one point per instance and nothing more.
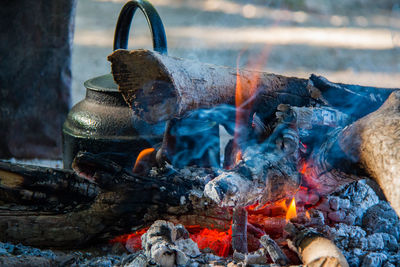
(35, 76)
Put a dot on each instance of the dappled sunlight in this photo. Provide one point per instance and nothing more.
(220, 37)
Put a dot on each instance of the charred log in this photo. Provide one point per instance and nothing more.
(239, 230)
(160, 87)
(368, 147)
(355, 100)
(274, 251)
(111, 201)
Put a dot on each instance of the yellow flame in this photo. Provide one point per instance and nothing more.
(291, 212)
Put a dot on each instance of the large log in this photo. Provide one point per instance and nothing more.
(159, 87)
(368, 147)
(104, 200)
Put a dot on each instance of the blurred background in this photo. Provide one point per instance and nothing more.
(355, 41)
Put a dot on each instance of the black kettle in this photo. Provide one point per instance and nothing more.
(103, 122)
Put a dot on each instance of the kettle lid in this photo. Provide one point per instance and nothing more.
(103, 83)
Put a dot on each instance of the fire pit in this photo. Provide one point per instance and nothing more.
(309, 176)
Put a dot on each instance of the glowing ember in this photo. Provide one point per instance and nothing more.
(291, 212)
(303, 168)
(141, 157)
(135, 241)
(217, 241)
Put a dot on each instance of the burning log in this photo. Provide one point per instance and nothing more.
(369, 146)
(313, 249)
(159, 87)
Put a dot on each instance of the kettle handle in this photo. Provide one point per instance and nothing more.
(121, 35)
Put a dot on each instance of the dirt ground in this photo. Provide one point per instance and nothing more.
(354, 41)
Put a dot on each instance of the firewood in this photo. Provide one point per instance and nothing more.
(266, 173)
(355, 100)
(368, 147)
(159, 87)
(274, 250)
(109, 201)
(373, 142)
(314, 249)
(239, 230)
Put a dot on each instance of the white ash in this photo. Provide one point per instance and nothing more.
(364, 227)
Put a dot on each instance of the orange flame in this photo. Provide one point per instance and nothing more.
(245, 92)
(308, 215)
(291, 212)
(142, 155)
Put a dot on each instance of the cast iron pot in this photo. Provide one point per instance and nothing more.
(103, 122)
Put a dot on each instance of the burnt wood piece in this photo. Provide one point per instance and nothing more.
(35, 77)
(266, 172)
(159, 87)
(368, 147)
(51, 189)
(274, 250)
(373, 144)
(120, 201)
(355, 100)
(239, 230)
(313, 249)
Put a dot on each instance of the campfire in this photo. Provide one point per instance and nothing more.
(304, 177)
(309, 175)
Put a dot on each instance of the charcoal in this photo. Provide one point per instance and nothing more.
(381, 218)
(337, 216)
(359, 196)
(374, 259)
(139, 260)
(334, 202)
(3, 252)
(346, 236)
(375, 242)
(324, 205)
